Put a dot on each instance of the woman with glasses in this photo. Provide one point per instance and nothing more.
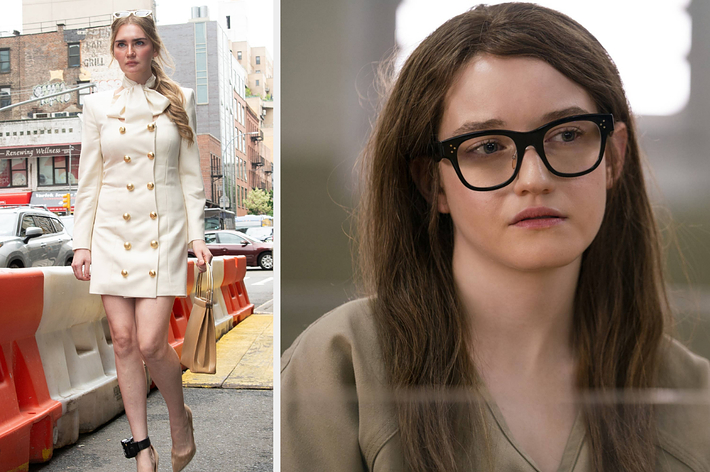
(139, 204)
(516, 310)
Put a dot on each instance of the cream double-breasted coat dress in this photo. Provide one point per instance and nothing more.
(140, 199)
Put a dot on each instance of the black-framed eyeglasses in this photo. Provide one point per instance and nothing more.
(491, 159)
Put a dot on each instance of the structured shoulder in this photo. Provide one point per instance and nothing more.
(98, 99)
(188, 93)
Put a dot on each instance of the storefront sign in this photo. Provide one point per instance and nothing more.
(21, 198)
(37, 151)
(52, 200)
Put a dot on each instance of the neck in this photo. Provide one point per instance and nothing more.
(521, 321)
(140, 78)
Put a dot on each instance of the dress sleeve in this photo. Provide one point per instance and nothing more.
(91, 165)
(193, 190)
(319, 406)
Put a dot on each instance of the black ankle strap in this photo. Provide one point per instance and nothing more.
(132, 448)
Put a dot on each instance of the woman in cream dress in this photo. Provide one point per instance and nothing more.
(140, 203)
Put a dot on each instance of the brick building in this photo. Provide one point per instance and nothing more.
(40, 141)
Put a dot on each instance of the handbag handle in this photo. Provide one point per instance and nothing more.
(199, 293)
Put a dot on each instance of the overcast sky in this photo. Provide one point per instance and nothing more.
(261, 17)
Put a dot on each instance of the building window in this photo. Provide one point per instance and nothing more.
(5, 99)
(257, 82)
(53, 170)
(13, 173)
(201, 91)
(4, 61)
(74, 55)
(229, 22)
(239, 55)
(258, 60)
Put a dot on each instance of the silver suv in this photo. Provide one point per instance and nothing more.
(33, 237)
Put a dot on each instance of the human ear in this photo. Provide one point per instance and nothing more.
(618, 141)
(423, 171)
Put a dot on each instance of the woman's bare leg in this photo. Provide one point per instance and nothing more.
(152, 321)
(120, 313)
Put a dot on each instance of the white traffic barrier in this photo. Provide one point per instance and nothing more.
(75, 346)
(222, 319)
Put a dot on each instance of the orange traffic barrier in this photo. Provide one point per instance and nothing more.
(233, 289)
(28, 414)
(181, 312)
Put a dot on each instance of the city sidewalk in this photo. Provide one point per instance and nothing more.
(233, 419)
(244, 357)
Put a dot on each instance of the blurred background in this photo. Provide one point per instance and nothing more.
(330, 50)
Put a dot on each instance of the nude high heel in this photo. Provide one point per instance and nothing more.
(180, 461)
(155, 458)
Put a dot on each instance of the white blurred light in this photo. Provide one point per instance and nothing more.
(649, 41)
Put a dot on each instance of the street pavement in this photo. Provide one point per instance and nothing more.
(233, 419)
(260, 285)
(233, 432)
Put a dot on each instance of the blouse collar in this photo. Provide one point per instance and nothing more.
(135, 97)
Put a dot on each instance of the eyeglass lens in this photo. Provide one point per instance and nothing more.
(490, 160)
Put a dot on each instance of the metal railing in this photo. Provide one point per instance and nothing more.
(69, 23)
(65, 91)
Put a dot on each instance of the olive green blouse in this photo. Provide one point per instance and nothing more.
(335, 415)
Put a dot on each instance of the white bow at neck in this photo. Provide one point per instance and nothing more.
(132, 99)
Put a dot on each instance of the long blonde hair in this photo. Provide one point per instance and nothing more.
(163, 84)
(406, 249)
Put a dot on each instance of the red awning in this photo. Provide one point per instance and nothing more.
(20, 198)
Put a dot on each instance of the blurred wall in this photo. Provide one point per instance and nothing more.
(328, 49)
(327, 53)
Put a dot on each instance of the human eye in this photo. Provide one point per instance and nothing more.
(120, 45)
(482, 147)
(140, 42)
(563, 135)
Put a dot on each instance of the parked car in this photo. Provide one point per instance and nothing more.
(68, 222)
(263, 233)
(234, 243)
(33, 237)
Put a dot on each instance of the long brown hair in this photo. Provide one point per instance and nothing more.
(406, 248)
(163, 84)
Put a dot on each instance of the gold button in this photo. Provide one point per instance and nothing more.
(151, 126)
(154, 244)
(153, 215)
(122, 130)
(152, 273)
(151, 155)
(130, 187)
(127, 245)
(126, 216)
(127, 159)
(124, 273)
(151, 185)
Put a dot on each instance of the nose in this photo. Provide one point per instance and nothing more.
(533, 176)
(131, 51)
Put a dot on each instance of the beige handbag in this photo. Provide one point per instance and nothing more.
(199, 348)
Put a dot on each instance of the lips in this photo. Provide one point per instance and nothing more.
(537, 213)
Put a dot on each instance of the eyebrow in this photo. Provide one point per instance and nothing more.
(126, 40)
(473, 126)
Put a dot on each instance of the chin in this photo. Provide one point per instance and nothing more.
(544, 259)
